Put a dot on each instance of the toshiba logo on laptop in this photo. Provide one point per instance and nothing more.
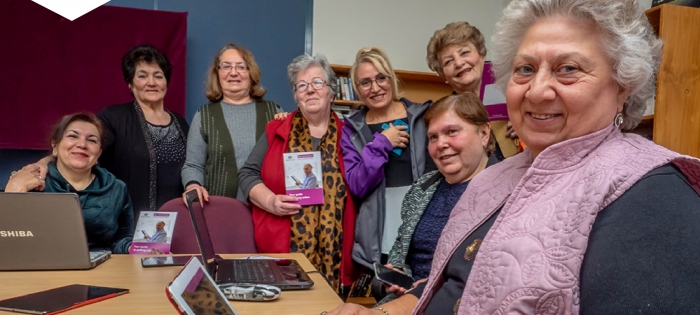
(16, 234)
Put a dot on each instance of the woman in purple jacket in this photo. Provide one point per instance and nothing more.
(382, 159)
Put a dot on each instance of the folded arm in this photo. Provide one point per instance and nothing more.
(364, 171)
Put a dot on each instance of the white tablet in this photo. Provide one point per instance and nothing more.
(194, 292)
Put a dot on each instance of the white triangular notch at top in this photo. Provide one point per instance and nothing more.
(71, 9)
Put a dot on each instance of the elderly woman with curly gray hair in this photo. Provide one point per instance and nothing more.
(324, 233)
(587, 219)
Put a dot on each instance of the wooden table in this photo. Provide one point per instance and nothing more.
(147, 288)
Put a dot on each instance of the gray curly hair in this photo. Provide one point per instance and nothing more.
(631, 45)
(306, 61)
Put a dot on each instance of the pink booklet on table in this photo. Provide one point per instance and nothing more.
(303, 177)
(154, 233)
(493, 98)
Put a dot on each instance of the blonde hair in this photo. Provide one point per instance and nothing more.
(455, 33)
(213, 87)
(379, 59)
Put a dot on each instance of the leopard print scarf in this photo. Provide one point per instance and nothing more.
(317, 230)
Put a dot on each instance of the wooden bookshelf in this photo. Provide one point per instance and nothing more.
(413, 85)
(676, 120)
(347, 103)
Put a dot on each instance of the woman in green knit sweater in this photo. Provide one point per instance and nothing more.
(76, 142)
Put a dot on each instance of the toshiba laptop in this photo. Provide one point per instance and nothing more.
(285, 274)
(44, 231)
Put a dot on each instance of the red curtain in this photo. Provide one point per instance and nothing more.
(50, 66)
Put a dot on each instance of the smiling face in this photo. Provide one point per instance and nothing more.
(379, 93)
(307, 169)
(312, 101)
(234, 82)
(562, 86)
(149, 84)
(462, 67)
(79, 147)
(160, 225)
(456, 146)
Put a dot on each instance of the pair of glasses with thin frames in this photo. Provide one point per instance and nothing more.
(316, 83)
(366, 84)
(227, 67)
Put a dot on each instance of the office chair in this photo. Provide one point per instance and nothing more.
(229, 221)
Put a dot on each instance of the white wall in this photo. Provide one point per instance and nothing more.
(401, 27)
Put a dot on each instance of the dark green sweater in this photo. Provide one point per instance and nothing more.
(107, 210)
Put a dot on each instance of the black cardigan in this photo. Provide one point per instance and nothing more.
(127, 156)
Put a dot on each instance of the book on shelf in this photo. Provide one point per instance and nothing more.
(338, 93)
(343, 110)
(154, 233)
(345, 91)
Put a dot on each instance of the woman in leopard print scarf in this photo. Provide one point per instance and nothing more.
(325, 232)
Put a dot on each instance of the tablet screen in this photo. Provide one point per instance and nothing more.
(196, 293)
(58, 299)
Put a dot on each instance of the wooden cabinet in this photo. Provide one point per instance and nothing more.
(676, 120)
(415, 86)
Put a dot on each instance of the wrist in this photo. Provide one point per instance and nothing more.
(192, 185)
(270, 204)
(380, 311)
(13, 186)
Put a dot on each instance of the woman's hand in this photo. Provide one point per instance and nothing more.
(353, 309)
(397, 135)
(397, 290)
(24, 181)
(510, 132)
(283, 205)
(281, 116)
(202, 193)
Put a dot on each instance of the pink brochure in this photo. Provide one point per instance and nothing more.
(492, 97)
(154, 232)
(303, 177)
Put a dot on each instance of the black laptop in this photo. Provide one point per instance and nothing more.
(286, 274)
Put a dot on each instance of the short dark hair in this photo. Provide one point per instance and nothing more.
(60, 128)
(467, 106)
(147, 54)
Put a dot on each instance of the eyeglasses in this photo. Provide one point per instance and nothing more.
(316, 83)
(227, 67)
(366, 84)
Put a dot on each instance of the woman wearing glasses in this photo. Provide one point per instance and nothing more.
(385, 151)
(325, 232)
(226, 127)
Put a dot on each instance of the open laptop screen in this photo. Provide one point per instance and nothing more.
(201, 230)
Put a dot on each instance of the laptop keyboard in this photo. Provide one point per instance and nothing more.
(253, 271)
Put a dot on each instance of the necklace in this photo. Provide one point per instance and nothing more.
(79, 188)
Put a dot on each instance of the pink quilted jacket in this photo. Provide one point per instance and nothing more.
(530, 260)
